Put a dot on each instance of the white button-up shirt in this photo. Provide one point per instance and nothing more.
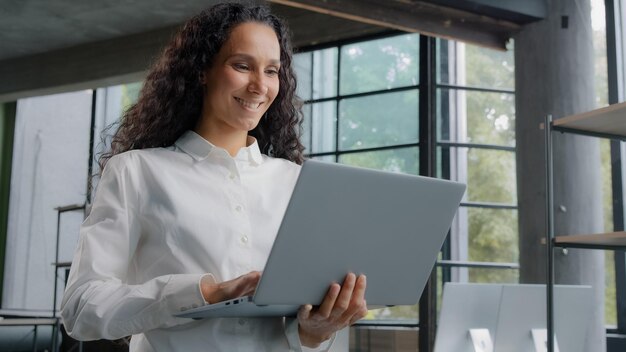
(164, 217)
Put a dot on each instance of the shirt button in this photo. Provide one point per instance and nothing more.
(244, 239)
(238, 208)
(242, 322)
(232, 176)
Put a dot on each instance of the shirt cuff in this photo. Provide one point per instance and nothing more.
(182, 292)
(293, 337)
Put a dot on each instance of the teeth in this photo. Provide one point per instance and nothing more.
(247, 104)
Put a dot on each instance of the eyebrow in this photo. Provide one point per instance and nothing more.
(250, 57)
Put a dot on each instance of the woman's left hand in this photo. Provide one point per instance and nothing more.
(342, 306)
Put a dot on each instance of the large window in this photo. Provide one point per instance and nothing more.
(364, 106)
(49, 171)
(49, 186)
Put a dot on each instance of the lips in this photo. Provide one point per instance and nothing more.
(248, 104)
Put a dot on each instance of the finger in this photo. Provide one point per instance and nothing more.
(329, 301)
(345, 296)
(252, 278)
(358, 296)
(359, 288)
(362, 313)
(247, 283)
(304, 313)
(241, 286)
(358, 307)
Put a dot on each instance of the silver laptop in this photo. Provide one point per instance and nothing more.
(343, 219)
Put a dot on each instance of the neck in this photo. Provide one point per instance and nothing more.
(230, 140)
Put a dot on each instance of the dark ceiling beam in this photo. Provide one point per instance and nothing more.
(312, 28)
(417, 16)
(85, 66)
(520, 12)
(126, 59)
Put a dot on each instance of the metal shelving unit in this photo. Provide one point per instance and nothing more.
(60, 265)
(608, 122)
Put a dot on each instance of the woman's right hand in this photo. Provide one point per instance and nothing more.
(244, 285)
(343, 305)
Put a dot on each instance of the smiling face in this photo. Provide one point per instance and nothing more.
(242, 82)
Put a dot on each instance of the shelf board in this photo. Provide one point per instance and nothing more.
(609, 121)
(611, 240)
(27, 321)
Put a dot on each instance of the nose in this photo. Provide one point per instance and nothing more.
(258, 84)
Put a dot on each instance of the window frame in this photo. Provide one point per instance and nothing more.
(615, 14)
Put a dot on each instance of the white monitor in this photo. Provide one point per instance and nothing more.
(510, 313)
(465, 307)
(523, 308)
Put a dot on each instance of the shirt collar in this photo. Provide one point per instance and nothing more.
(199, 148)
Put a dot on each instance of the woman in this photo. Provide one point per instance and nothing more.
(192, 194)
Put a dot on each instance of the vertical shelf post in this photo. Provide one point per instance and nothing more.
(57, 326)
(547, 127)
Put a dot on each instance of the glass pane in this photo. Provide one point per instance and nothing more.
(130, 94)
(610, 301)
(494, 276)
(326, 158)
(303, 67)
(493, 237)
(320, 125)
(476, 117)
(489, 174)
(395, 160)
(306, 128)
(380, 64)
(484, 235)
(379, 120)
(317, 73)
(601, 81)
(325, 73)
(469, 65)
(111, 103)
(395, 313)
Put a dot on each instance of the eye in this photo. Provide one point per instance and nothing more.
(241, 67)
(271, 71)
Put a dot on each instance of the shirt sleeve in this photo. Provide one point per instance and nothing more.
(293, 337)
(98, 302)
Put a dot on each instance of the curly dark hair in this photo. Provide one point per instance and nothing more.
(170, 101)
